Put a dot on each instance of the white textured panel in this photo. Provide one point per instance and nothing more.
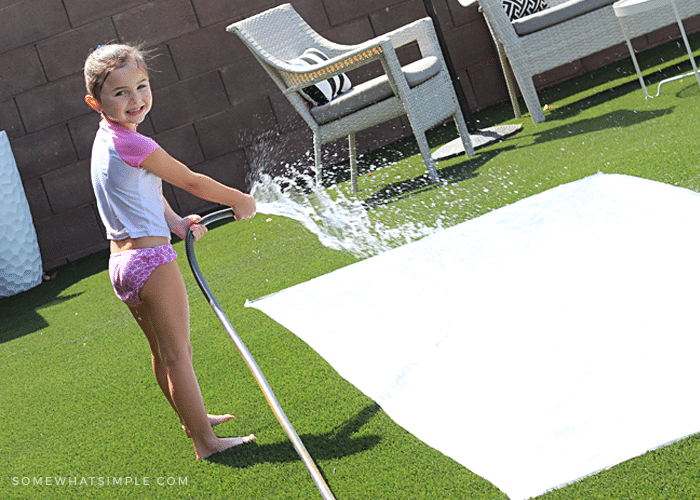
(20, 260)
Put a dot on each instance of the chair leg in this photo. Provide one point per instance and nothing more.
(532, 100)
(505, 66)
(509, 80)
(352, 150)
(427, 156)
(317, 160)
(464, 134)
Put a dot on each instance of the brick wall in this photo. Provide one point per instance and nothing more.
(214, 107)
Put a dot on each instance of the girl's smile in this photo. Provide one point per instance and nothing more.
(125, 98)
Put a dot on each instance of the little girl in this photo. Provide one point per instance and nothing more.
(126, 170)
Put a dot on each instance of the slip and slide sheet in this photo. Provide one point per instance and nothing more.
(535, 345)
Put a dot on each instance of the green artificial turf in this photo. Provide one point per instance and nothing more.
(79, 401)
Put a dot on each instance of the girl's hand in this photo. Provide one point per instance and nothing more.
(244, 208)
(191, 221)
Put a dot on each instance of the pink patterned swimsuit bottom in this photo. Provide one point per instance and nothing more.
(129, 270)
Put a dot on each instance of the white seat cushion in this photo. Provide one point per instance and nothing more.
(557, 14)
(375, 90)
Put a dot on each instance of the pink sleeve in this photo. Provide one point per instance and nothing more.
(133, 147)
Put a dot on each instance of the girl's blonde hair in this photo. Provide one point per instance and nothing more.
(107, 58)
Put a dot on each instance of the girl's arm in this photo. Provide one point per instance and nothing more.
(171, 217)
(170, 170)
(180, 226)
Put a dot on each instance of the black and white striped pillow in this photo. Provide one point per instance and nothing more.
(515, 9)
(323, 92)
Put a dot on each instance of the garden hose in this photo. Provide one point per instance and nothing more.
(252, 365)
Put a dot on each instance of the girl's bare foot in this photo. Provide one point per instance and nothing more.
(214, 420)
(223, 444)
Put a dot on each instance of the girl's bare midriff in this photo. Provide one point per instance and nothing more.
(116, 246)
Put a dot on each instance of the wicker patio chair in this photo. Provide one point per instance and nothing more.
(564, 32)
(422, 90)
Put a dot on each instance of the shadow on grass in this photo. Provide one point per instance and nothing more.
(614, 119)
(386, 156)
(468, 168)
(656, 57)
(337, 443)
(587, 100)
(20, 313)
(450, 174)
(391, 154)
(691, 90)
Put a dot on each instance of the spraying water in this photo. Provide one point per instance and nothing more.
(338, 222)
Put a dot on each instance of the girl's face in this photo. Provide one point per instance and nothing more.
(125, 98)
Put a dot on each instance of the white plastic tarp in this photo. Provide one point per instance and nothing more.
(534, 345)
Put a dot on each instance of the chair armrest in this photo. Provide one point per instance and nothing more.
(297, 77)
(381, 48)
(421, 31)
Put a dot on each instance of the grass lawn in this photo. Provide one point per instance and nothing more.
(79, 400)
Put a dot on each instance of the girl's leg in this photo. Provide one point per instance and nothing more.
(143, 318)
(165, 300)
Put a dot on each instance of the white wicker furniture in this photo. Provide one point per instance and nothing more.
(422, 90)
(558, 39)
(20, 259)
(625, 8)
